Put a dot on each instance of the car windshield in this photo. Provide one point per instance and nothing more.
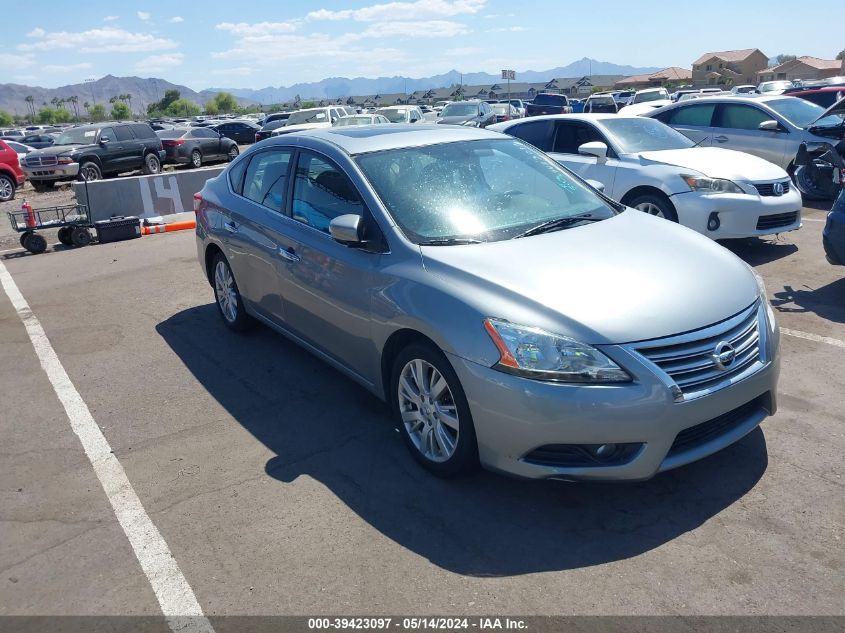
(308, 116)
(460, 109)
(354, 120)
(394, 116)
(652, 95)
(483, 190)
(549, 99)
(774, 85)
(603, 99)
(803, 113)
(77, 136)
(501, 108)
(636, 134)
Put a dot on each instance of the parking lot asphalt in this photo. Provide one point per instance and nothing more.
(281, 487)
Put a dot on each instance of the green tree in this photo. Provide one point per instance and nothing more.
(211, 107)
(182, 107)
(841, 54)
(783, 58)
(62, 115)
(120, 111)
(6, 118)
(170, 96)
(97, 112)
(46, 115)
(226, 102)
(30, 104)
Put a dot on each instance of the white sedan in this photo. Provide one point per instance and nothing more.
(718, 192)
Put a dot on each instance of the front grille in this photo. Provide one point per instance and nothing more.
(702, 433)
(689, 360)
(41, 161)
(777, 220)
(768, 189)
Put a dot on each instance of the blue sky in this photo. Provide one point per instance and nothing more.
(266, 42)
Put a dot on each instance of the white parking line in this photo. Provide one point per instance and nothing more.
(174, 594)
(813, 219)
(813, 337)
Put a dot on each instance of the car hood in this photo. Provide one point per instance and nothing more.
(455, 120)
(55, 150)
(285, 129)
(836, 108)
(629, 278)
(717, 162)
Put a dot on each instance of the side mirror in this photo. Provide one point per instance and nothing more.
(594, 148)
(769, 126)
(595, 184)
(347, 229)
(104, 140)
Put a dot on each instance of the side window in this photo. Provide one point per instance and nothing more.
(742, 117)
(537, 133)
(236, 176)
(142, 130)
(321, 193)
(122, 133)
(266, 178)
(697, 115)
(570, 136)
(108, 133)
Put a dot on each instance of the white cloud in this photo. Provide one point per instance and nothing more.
(110, 18)
(176, 19)
(507, 29)
(159, 62)
(402, 11)
(144, 15)
(430, 28)
(66, 68)
(13, 60)
(103, 40)
(258, 29)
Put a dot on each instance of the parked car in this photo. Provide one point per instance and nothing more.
(548, 103)
(439, 105)
(401, 114)
(195, 146)
(507, 312)
(598, 103)
(577, 105)
(38, 141)
(647, 165)
(361, 119)
(20, 149)
(313, 119)
(11, 174)
(89, 152)
(824, 96)
(242, 132)
(771, 88)
(771, 127)
(833, 235)
(648, 95)
(472, 113)
(267, 129)
(519, 104)
(745, 89)
(622, 97)
(505, 112)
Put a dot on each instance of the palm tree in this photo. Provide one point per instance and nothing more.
(55, 101)
(128, 97)
(73, 100)
(30, 104)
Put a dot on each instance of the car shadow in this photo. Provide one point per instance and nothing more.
(756, 251)
(827, 301)
(320, 424)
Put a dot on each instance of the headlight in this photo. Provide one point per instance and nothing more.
(535, 353)
(711, 185)
(65, 160)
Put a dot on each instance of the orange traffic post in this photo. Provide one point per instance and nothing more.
(168, 228)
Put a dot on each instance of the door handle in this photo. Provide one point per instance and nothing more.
(231, 227)
(721, 139)
(288, 254)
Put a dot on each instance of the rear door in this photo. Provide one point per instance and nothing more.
(695, 121)
(131, 154)
(736, 126)
(209, 142)
(568, 137)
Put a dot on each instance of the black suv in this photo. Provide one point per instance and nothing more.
(548, 103)
(88, 152)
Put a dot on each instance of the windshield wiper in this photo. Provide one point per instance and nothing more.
(557, 224)
(450, 241)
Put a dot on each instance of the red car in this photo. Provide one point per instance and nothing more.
(11, 174)
(825, 96)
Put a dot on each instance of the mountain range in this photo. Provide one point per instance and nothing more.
(148, 90)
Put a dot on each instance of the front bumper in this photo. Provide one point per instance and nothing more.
(51, 172)
(514, 416)
(739, 215)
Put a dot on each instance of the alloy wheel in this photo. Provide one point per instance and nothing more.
(6, 189)
(224, 289)
(651, 209)
(428, 410)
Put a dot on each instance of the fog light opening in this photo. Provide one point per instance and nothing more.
(605, 450)
(713, 222)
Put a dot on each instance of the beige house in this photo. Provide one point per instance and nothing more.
(673, 75)
(729, 68)
(802, 68)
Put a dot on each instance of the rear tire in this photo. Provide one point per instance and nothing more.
(24, 236)
(65, 235)
(196, 159)
(654, 205)
(80, 236)
(35, 243)
(233, 153)
(227, 296)
(431, 411)
(152, 165)
(7, 188)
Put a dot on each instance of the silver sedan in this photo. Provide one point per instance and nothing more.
(508, 313)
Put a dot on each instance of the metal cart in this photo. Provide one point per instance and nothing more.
(73, 222)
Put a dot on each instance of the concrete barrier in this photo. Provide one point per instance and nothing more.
(164, 194)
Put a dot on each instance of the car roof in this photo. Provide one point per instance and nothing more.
(364, 139)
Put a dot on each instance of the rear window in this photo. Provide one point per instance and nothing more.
(550, 100)
(174, 133)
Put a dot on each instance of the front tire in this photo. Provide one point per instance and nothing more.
(230, 304)
(7, 188)
(65, 235)
(654, 205)
(89, 172)
(810, 188)
(432, 413)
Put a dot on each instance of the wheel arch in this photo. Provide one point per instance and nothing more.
(647, 190)
(210, 253)
(395, 343)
